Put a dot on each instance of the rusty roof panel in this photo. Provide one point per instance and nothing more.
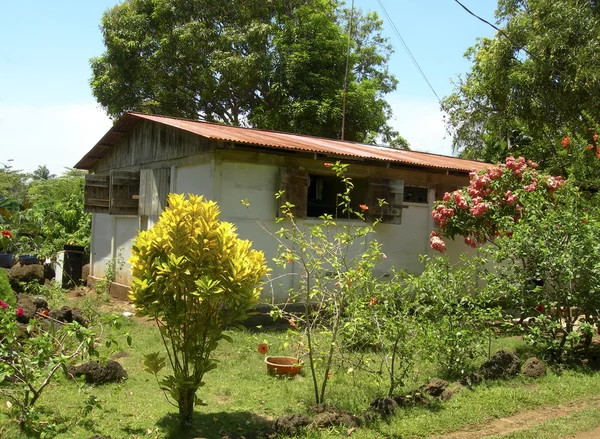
(279, 140)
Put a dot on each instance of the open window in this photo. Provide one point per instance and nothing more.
(314, 195)
(416, 194)
(116, 193)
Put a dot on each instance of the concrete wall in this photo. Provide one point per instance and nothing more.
(228, 182)
(112, 237)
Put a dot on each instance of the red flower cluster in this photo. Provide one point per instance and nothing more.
(470, 242)
(436, 242)
(20, 312)
(565, 142)
(3, 305)
(441, 214)
(479, 207)
(511, 198)
(7, 234)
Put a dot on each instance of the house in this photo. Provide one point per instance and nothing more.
(143, 157)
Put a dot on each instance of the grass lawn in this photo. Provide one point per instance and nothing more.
(241, 396)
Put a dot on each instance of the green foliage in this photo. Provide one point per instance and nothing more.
(250, 62)
(459, 314)
(6, 293)
(530, 85)
(194, 277)
(382, 331)
(33, 356)
(331, 271)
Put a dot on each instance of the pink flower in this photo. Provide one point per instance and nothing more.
(384, 256)
(3, 305)
(473, 192)
(447, 197)
(479, 209)
(470, 242)
(460, 200)
(495, 172)
(531, 187)
(437, 243)
(595, 137)
(19, 312)
(328, 165)
(510, 197)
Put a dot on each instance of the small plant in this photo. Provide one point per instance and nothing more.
(330, 274)
(6, 293)
(194, 277)
(32, 358)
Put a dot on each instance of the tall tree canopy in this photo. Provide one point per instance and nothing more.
(276, 64)
(536, 82)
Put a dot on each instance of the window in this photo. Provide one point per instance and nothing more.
(414, 194)
(314, 195)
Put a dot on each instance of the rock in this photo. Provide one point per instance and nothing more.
(28, 306)
(435, 387)
(330, 416)
(534, 368)
(21, 274)
(62, 315)
(411, 399)
(291, 424)
(384, 406)
(49, 272)
(85, 272)
(503, 364)
(97, 373)
(451, 390)
(78, 317)
(40, 302)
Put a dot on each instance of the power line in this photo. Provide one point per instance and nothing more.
(413, 59)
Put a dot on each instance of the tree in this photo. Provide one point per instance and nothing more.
(194, 277)
(276, 65)
(531, 85)
(42, 173)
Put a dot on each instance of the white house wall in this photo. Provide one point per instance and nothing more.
(195, 179)
(112, 238)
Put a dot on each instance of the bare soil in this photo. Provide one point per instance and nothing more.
(528, 419)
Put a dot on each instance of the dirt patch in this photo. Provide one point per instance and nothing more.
(526, 420)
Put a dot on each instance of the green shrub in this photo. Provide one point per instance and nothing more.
(6, 293)
(194, 277)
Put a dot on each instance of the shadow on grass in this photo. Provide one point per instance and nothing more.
(213, 425)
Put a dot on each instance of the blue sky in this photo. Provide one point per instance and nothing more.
(48, 115)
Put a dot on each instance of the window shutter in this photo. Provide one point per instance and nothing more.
(294, 183)
(124, 192)
(392, 191)
(154, 188)
(96, 194)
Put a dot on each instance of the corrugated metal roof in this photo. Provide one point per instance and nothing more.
(279, 140)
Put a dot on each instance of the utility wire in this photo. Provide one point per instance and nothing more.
(413, 59)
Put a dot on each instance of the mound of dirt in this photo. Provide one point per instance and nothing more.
(97, 373)
(503, 364)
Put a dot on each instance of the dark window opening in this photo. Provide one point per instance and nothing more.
(323, 197)
(415, 194)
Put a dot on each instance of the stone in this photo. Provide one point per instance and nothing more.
(503, 364)
(384, 406)
(435, 387)
(22, 274)
(291, 424)
(40, 302)
(28, 306)
(330, 416)
(85, 272)
(98, 373)
(63, 314)
(534, 368)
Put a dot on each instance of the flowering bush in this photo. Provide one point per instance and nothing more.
(544, 234)
(5, 241)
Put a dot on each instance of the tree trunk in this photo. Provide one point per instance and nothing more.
(186, 406)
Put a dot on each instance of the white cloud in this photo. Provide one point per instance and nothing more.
(421, 123)
(53, 135)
